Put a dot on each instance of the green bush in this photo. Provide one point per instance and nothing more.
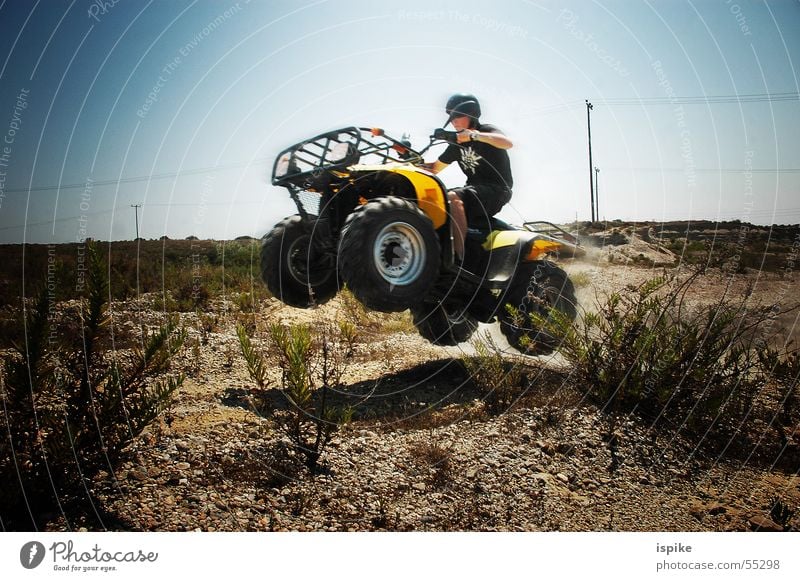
(705, 370)
(71, 403)
(312, 364)
(501, 377)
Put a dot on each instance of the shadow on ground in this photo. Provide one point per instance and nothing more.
(394, 396)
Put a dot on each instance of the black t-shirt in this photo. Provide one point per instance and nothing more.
(483, 164)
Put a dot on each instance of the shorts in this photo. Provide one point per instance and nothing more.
(481, 202)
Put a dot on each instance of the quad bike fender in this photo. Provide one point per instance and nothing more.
(507, 249)
(529, 246)
(429, 189)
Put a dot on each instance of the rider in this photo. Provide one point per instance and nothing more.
(481, 153)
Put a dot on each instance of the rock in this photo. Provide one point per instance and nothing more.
(420, 486)
(764, 524)
(138, 474)
(699, 510)
(717, 508)
(472, 473)
(183, 466)
(546, 447)
(563, 477)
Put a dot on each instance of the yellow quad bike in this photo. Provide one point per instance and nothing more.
(372, 217)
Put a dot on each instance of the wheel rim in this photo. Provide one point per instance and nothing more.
(302, 265)
(399, 253)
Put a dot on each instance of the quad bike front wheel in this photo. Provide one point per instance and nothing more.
(443, 324)
(293, 269)
(541, 288)
(389, 254)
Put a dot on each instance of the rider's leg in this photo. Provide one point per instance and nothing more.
(459, 223)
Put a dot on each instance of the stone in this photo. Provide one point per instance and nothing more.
(717, 508)
(137, 474)
(764, 524)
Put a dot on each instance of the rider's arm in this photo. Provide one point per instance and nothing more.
(494, 138)
(497, 140)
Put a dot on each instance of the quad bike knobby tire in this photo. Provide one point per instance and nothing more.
(292, 269)
(389, 254)
(443, 325)
(538, 287)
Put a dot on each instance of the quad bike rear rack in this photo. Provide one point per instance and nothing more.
(573, 247)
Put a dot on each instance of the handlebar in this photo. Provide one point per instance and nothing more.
(441, 134)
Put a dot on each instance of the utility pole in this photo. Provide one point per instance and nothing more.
(597, 190)
(136, 209)
(591, 176)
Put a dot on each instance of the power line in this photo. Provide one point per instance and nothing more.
(160, 205)
(664, 100)
(153, 177)
(701, 100)
(761, 170)
(51, 222)
(557, 108)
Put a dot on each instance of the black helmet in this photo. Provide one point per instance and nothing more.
(462, 104)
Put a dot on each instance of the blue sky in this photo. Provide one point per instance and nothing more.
(181, 106)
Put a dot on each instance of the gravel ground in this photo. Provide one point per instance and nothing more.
(550, 463)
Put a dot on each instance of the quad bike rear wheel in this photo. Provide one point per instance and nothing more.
(389, 254)
(293, 269)
(442, 324)
(538, 287)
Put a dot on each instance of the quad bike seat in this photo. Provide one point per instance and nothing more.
(481, 229)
